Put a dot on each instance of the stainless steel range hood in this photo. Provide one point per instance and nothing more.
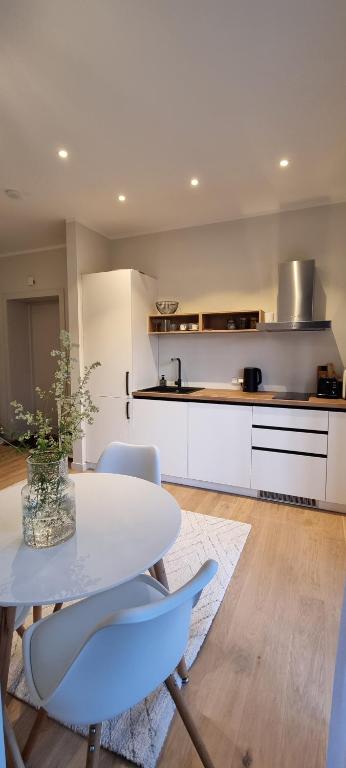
(296, 299)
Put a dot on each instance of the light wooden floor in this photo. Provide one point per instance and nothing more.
(261, 686)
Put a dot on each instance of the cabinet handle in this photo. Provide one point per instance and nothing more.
(128, 410)
(127, 379)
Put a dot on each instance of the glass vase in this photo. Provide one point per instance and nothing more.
(48, 502)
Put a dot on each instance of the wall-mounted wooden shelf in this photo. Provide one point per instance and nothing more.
(207, 322)
(159, 324)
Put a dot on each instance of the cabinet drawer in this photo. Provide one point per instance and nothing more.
(290, 418)
(288, 473)
(280, 439)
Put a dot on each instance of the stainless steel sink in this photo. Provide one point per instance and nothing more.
(176, 390)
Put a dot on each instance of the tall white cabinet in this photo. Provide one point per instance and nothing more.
(116, 305)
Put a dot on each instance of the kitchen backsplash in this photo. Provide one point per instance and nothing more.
(288, 360)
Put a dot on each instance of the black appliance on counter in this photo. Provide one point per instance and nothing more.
(252, 378)
(328, 387)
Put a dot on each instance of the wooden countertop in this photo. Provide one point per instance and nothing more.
(234, 397)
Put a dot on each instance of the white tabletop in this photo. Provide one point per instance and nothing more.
(124, 525)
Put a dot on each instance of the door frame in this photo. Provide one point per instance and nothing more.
(26, 295)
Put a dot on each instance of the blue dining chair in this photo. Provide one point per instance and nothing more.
(141, 461)
(102, 655)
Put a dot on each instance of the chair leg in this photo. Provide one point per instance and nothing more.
(94, 742)
(183, 671)
(20, 630)
(189, 723)
(57, 607)
(32, 738)
(152, 572)
(160, 573)
(37, 613)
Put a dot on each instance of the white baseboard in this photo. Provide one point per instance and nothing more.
(232, 489)
(322, 506)
(326, 506)
(78, 467)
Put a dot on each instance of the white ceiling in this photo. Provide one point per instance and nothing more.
(146, 93)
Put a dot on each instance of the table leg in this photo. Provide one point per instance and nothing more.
(36, 613)
(160, 573)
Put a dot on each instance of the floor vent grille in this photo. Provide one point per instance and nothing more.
(285, 498)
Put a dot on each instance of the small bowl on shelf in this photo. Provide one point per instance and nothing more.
(167, 306)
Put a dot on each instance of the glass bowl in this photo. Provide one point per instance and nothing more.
(167, 306)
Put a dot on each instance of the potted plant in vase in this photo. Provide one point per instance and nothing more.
(48, 499)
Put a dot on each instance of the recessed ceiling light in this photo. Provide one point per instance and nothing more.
(194, 182)
(63, 153)
(121, 198)
(284, 163)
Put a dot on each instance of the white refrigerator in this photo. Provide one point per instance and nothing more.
(115, 308)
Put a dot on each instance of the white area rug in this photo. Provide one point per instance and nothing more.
(139, 733)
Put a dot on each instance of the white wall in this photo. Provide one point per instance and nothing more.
(48, 267)
(87, 251)
(233, 265)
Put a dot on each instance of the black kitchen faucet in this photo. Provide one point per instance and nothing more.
(178, 381)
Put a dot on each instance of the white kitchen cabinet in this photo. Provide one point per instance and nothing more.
(107, 333)
(116, 305)
(336, 472)
(289, 440)
(162, 423)
(288, 473)
(291, 418)
(219, 443)
(111, 423)
(295, 461)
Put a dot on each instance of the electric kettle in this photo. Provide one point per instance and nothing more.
(252, 378)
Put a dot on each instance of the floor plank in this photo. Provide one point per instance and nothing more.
(261, 686)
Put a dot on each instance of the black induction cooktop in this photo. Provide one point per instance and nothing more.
(291, 396)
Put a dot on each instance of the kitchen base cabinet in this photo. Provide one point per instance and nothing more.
(219, 444)
(288, 473)
(336, 474)
(164, 424)
(244, 449)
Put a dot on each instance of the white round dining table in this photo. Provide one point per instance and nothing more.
(124, 525)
